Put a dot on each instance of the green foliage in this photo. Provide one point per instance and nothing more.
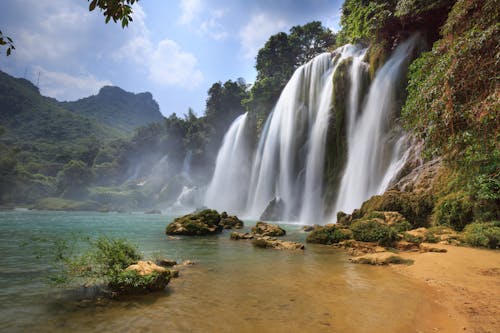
(117, 108)
(279, 58)
(200, 223)
(103, 262)
(371, 230)
(454, 210)
(361, 20)
(453, 100)
(401, 226)
(118, 10)
(483, 234)
(328, 234)
(7, 41)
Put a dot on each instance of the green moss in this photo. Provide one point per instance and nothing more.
(416, 208)
(336, 142)
(328, 234)
(372, 230)
(132, 282)
(454, 210)
(203, 222)
(484, 234)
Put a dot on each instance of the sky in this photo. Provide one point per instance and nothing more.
(175, 49)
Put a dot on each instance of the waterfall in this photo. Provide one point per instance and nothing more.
(289, 160)
(376, 148)
(288, 164)
(227, 189)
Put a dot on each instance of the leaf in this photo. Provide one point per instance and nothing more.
(8, 51)
(92, 5)
(107, 19)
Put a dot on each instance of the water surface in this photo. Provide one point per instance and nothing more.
(234, 287)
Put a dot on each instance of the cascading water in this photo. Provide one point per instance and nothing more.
(376, 149)
(290, 157)
(227, 190)
(288, 164)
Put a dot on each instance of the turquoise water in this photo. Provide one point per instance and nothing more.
(234, 287)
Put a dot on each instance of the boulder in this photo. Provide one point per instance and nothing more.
(144, 276)
(240, 235)
(274, 210)
(166, 262)
(230, 222)
(204, 222)
(273, 243)
(267, 229)
(356, 248)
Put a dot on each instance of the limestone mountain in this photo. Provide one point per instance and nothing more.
(117, 108)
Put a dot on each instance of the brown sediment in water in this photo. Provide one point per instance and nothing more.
(271, 291)
(466, 281)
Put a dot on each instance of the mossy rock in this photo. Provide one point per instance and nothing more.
(267, 229)
(145, 276)
(204, 222)
(328, 234)
(230, 222)
(414, 207)
(373, 230)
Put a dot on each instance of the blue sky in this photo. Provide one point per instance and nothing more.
(176, 49)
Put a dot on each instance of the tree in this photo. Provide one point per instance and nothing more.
(74, 177)
(280, 57)
(6, 40)
(117, 10)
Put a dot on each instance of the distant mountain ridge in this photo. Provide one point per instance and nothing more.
(117, 108)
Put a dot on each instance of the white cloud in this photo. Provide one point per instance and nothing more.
(257, 31)
(67, 87)
(212, 26)
(172, 66)
(165, 62)
(190, 10)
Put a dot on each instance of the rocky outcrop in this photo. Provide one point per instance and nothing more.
(166, 262)
(230, 222)
(144, 276)
(203, 222)
(273, 243)
(267, 229)
(274, 210)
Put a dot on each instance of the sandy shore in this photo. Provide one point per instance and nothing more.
(466, 282)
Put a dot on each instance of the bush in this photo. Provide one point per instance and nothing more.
(132, 282)
(373, 231)
(104, 262)
(401, 226)
(485, 234)
(454, 210)
(328, 234)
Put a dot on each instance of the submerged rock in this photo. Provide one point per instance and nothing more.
(144, 276)
(166, 262)
(240, 235)
(273, 243)
(267, 229)
(274, 210)
(381, 258)
(204, 222)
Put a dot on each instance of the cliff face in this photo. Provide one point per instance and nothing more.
(118, 108)
(449, 105)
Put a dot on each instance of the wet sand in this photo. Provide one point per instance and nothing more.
(466, 281)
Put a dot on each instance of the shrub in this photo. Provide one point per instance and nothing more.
(132, 282)
(373, 231)
(401, 226)
(454, 210)
(484, 234)
(328, 234)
